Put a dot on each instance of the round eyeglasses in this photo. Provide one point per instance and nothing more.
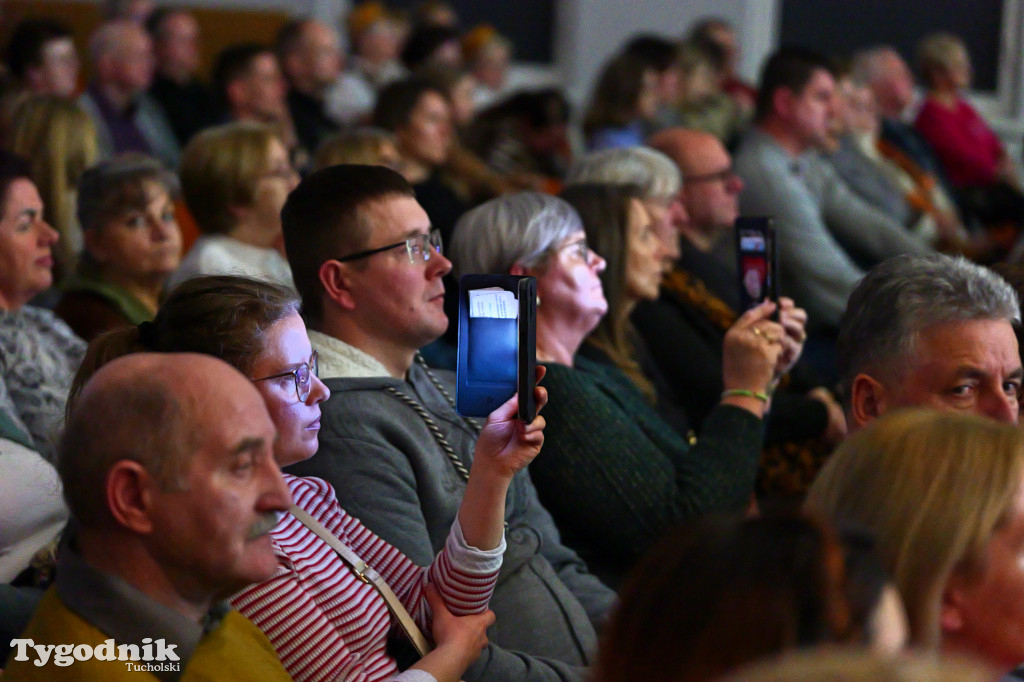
(303, 376)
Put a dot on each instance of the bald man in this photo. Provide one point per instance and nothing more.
(126, 119)
(168, 470)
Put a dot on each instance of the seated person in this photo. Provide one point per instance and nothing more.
(623, 103)
(617, 475)
(256, 327)
(235, 178)
(38, 352)
(310, 56)
(370, 273)
(365, 146)
(487, 54)
(703, 104)
(167, 469)
(935, 331)
(132, 245)
(944, 496)
(719, 33)
(723, 593)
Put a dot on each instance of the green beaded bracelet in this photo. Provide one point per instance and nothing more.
(744, 393)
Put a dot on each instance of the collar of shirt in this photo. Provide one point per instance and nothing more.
(125, 613)
(340, 360)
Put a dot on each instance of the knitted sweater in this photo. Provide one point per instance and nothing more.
(616, 477)
(325, 622)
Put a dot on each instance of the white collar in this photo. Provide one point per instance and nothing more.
(340, 360)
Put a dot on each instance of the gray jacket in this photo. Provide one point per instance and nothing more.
(820, 223)
(389, 471)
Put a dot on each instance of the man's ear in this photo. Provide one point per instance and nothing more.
(868, 399)
(782, 102)
(130, 491)
(336, 279)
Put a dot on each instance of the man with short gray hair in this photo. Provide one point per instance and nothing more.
(930, 330)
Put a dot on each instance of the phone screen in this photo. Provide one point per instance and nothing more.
(757, 260)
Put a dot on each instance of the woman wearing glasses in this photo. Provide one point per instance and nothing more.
(235, 179)
(323, 620)
(615, 475)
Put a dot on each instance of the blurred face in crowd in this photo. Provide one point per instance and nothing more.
(569, 284)
(491, 67)
(57, 72)
(809, 111)
(381, 42)
(958, 71)
(272, 188)
(645, 253)
(212, 533)
(427, 137)
(26, 242)
(668, 215)
(141, 245)
(131, 61)
(893, 84)
(710, 188)
(858, 108)
(983, 609)
(461, 101)
(971, 367)
(261, 92)
(647, 103)
(297, 421)
(177, 46)
(320, 53)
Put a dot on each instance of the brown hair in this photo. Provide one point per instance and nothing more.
(224, 316)
(605, 210)
(616, 95)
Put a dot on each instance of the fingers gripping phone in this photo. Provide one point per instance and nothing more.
(758, 261)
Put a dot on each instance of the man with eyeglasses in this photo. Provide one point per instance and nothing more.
(369, 266)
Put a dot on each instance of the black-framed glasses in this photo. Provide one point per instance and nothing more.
(419, 247)
(722, 175)
(303, 376)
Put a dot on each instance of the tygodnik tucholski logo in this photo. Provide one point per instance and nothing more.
(163, 659)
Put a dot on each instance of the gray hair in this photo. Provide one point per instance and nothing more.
(867, 63)
(117, 185)
(514, 228)
(654, 173)
(905, 295)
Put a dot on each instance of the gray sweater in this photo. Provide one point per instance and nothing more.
(389, 471)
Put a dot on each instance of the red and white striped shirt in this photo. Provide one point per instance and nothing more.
(326, 623)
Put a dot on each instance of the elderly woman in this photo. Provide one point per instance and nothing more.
(235, 179)
(132, 245)
(615, 475)
(38, 352)
(944, 496)
(325, 621)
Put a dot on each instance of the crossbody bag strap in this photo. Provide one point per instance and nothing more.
(368, 575)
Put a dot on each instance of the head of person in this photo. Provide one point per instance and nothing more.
(175, 34)
(457, 87)
(653, 172)
(365, 260)
(711, 189)
(167, 461)
(235, 175)
(487, 54)
(721, 33)
(722, 593)
(122, 57)
(310, 55)
(249, 83)
(888, 76)
(662, 56)
(540, 119)
(540, 235)
(59, 139)
(126, 210)
(626, 92)
(375, 34)
(934, 331)
(796, 95)
(364, 146)
(420, 118)
(942, 494)
(701, 65)
(428, 45)
(943, 62)
(858, 109)
(42, 56)
(26, 239)
(436, 13)
(252, 325)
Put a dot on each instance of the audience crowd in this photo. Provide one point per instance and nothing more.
(230, 446)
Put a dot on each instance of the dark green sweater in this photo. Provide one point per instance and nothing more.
(616, 477)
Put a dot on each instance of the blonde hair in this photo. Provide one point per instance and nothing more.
(932, 487)
(59, 140)
(861, 666)
(363, 146)
(219, 170)
(935, 54)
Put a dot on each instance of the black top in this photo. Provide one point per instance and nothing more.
(189, 107)
(311, 123)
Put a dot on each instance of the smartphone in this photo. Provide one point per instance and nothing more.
(497, 353)
(757, 260)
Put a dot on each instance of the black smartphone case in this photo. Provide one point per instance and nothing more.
(497, 357)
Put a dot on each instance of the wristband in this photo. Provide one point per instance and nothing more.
(744, 393)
